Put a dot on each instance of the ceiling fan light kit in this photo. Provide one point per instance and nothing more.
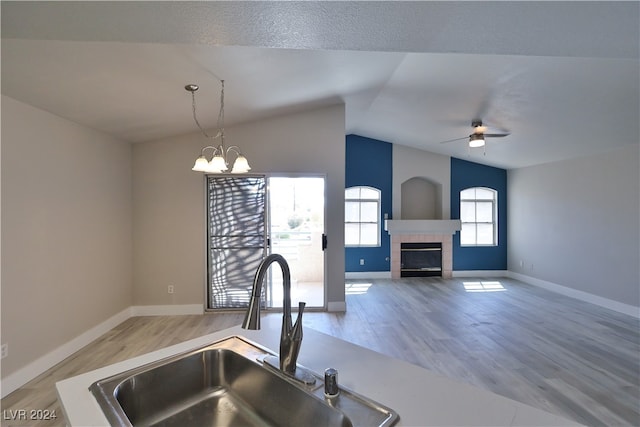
(476, 140)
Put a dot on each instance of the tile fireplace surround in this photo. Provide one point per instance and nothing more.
(422, 231)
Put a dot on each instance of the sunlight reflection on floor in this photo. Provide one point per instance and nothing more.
(483, 286)
(356, 288)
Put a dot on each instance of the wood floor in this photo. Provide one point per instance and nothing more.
(552, 352)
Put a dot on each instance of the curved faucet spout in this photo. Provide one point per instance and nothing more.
(291, 335)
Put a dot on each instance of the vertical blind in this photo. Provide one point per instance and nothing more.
(236, 238)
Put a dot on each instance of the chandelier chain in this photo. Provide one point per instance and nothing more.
(220, 123)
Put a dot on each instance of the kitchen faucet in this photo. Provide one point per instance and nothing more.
(291, 335)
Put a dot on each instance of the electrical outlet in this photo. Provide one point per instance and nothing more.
(361, 261)
(4, 350)
(170, 289)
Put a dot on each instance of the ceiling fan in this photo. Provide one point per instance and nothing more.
(476, 139)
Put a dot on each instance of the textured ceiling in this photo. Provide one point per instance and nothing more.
(562, 77)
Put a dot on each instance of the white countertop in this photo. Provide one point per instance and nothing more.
(421, 397)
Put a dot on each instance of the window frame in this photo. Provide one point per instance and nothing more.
(377, 222)
(494, 215)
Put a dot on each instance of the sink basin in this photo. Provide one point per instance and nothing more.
(226, 384)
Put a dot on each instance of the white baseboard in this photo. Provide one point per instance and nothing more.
(580, 295)
(458, 273)
(166, 310)
(480, 273)
(554, 287)
(367, 275)
(23, 375)
(337, 306)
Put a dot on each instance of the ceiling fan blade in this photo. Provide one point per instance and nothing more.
(453, 140)
(495, 135)
(485, 103)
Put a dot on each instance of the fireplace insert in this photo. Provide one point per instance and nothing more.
(420, 259)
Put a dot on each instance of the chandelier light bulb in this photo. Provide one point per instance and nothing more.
(217, 164)
(241, 165)
(201, 164)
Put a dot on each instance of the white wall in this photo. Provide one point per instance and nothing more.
(576, 223)
(409, 163)
(169, 213)
(66, 231)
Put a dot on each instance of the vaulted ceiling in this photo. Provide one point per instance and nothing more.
(561, 77)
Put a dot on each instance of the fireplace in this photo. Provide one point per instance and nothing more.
(420, 259)
(439, 232)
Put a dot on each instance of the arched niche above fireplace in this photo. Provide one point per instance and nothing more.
(421, 198)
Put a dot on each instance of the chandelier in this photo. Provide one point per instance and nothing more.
(219, 162)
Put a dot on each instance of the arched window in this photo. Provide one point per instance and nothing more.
(362, 216)
(479, 217)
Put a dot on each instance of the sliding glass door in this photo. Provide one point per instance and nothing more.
(250, 216)
(296, 229)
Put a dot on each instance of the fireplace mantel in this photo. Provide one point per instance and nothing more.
(422, 226)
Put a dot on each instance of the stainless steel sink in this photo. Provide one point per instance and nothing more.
(226, 384)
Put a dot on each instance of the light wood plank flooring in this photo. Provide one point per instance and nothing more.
(552, 352)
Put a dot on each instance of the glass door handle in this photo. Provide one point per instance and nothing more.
(324, 241)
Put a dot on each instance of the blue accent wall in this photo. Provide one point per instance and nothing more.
(369, 162)
(465, 174)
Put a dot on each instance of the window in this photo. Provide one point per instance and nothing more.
(479, 217)
(362, 216)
